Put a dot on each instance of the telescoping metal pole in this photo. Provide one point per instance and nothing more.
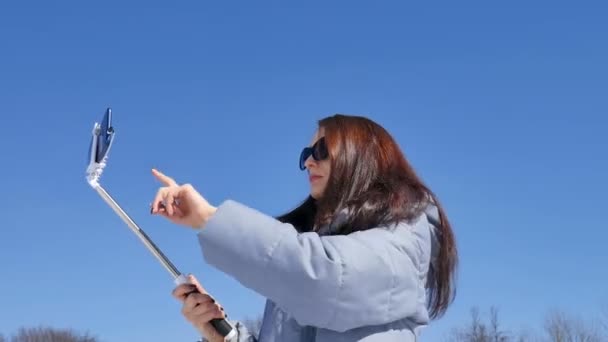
(101, 141)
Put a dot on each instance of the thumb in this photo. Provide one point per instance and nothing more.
(195, 282)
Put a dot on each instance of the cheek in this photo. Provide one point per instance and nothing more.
(325, 168)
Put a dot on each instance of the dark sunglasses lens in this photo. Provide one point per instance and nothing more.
(320, 150)
(306, 152)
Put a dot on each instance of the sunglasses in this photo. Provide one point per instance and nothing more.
(318, 151)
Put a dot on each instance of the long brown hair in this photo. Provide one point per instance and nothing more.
(372, 180)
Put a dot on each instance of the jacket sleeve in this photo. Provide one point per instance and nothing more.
(333, 282)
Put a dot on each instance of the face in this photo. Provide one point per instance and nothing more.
(318, 170)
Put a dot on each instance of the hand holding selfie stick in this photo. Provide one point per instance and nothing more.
(101, 141)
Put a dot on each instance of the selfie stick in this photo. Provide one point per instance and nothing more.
(103, 136)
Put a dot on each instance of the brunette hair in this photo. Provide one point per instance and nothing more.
(372, 181)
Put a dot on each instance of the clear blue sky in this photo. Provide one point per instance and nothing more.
(501, 108)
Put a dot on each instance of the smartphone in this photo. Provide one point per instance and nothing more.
(102, 139)
(105, 136)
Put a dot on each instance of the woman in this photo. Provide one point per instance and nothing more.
(368, 256)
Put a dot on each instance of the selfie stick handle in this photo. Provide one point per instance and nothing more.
(221, 325)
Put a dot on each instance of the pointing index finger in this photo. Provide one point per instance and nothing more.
(166, 180)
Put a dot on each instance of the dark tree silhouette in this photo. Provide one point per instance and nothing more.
(558, 327)
(479, 331)
(48, 334)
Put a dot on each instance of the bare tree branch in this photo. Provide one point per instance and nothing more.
(46, 334)
(476, 331)
(496, 334)
(560, 327)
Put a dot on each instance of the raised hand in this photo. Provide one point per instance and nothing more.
(181, 204)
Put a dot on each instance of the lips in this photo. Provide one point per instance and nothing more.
(313, 178)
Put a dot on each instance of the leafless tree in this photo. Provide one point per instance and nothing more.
(47, 334)
(560, 327)
(479, 331)
(475, 331)
(496, 332)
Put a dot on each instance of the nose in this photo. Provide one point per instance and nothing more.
(309, 162)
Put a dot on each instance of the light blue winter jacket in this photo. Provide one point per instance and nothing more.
(367, 286)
